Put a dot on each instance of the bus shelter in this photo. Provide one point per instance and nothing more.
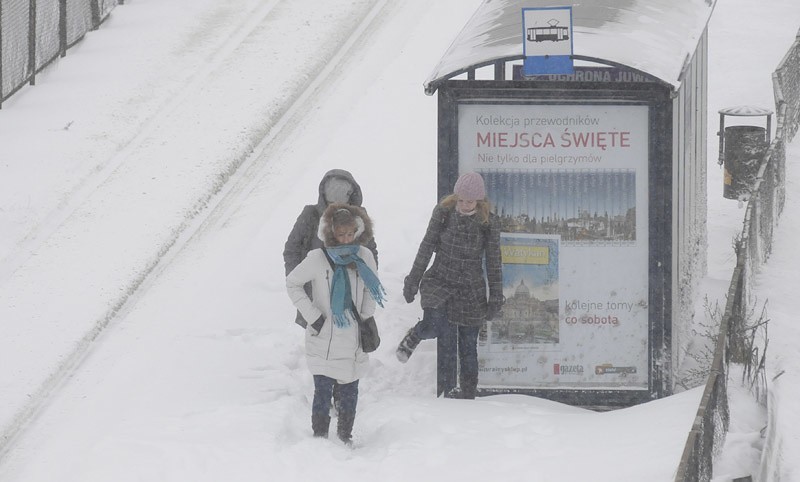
(599, 178)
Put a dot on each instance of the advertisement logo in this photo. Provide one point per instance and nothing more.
(559, 369)
(609, 369)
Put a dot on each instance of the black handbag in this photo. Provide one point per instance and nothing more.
(368, 330)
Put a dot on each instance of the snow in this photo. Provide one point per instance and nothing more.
(147, 188)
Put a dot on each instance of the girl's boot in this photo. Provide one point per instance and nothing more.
(344, 428)
(320, 424)
(407, 346)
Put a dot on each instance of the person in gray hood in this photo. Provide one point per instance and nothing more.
(336, 186)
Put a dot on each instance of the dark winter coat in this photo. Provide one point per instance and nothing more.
(303, 237)
(456, 278)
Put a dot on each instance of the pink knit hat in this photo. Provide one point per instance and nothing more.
(469, 187)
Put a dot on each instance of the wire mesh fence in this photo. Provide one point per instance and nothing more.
(735, 342)
(34, 33)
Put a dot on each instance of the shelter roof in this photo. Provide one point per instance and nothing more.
(657, 37)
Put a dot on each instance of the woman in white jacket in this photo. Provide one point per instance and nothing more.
(343, 279)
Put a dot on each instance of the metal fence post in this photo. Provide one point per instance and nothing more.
(95, 8)
(32, 41)
(62, 26)
(1, 56)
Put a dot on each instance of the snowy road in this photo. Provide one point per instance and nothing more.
(76, 269)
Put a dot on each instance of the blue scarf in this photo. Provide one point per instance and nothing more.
(341, 298)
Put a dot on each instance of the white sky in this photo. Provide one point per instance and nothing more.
(196, 372)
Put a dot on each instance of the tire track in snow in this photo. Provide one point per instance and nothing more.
(56, 218)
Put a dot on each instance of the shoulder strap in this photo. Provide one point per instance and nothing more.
(446, 213)
(328, 257)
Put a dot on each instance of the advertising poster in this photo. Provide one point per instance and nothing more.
(569, 183)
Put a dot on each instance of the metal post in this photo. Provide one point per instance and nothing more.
(32, 41)
(95, 8)
(62, 26)
(1, 55)
(769, 129)
(500, 70)
(721, 134)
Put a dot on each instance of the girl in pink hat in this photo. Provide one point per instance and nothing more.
(462, 231)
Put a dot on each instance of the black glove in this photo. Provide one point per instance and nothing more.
(410, 289)
(494, 310)
(316, 327)
(300, 320)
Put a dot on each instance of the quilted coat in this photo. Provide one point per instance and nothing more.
(456, 278)
(336, 351)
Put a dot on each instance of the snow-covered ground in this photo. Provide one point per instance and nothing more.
(146, 190)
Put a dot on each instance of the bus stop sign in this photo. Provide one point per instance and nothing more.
(547, 40)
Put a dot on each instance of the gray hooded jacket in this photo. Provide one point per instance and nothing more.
(303, 237)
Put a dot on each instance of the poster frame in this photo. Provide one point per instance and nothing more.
(657, 98)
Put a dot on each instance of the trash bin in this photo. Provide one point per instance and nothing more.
(742, 148)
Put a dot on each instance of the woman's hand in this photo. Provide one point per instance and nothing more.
(410, 289)
(316, 327)
(494, 309)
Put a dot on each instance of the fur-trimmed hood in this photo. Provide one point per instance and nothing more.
(364, 233)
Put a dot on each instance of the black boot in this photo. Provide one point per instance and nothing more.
(469, 386)
(407, 346)
(344, 428)
(320, 424)
(468, 391)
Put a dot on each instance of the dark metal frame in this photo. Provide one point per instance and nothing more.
(658, 97)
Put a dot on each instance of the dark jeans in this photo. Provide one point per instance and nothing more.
(454, 343)
(323, 389)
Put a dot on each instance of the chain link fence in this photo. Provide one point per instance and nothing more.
(34, 33)
(736, 339)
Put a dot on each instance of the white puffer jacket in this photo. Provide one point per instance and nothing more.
(336, 351)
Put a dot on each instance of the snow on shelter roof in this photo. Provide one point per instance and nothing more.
(657, 37)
